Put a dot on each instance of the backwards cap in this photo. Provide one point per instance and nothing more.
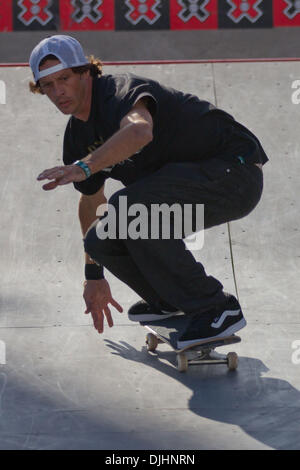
(67, 50)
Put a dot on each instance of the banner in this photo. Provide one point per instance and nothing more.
(89, 15)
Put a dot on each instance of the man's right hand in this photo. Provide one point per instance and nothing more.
(97, 296)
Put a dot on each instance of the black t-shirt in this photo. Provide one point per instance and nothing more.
(185, 128)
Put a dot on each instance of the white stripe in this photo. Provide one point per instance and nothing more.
(227, 313)
(168, 311)
(50, 70)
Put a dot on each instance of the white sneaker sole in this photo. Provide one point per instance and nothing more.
(229, 332)
(152, 316)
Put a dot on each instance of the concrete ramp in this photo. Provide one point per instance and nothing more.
(63, 386)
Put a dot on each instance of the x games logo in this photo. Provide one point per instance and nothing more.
(193, 8)
(292, 9)
(87, 9)
(142, 10)
(244, 9)
(34, 10)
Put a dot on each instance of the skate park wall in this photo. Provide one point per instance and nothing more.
(62, 386)
(154, 30)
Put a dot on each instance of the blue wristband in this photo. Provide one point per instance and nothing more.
(84, 167)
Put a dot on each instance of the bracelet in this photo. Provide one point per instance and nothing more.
(93, 272)
(84, 167)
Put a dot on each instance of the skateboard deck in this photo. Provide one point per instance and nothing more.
(170, 329)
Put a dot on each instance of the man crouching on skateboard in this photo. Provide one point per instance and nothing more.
(166, 147)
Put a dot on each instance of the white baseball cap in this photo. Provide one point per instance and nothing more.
(67, 50)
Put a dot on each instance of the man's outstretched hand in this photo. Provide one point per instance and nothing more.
(61, 175)
(97, 296)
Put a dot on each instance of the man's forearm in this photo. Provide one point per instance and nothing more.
(87, 216)
(122, 145)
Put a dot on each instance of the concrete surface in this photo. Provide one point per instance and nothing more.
(161, 45)
(65, 387)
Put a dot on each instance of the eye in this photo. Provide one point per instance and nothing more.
(45, 86)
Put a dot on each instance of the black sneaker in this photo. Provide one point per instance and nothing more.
(217, 322)
(143, 311)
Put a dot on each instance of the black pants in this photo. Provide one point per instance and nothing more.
(162, 271)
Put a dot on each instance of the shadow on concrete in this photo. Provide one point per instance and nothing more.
(260, 406)
(31, 419)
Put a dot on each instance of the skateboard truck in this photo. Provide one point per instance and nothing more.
(200, 353)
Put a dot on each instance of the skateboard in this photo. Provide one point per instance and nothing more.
(200, 353)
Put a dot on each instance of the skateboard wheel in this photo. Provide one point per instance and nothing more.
(232, 361)
(151, 341)
(182, 363)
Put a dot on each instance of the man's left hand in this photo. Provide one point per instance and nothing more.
(61, 175)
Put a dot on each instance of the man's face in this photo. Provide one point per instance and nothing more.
(66, 89)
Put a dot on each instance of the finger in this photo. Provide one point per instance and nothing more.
(108, 317)
(55, 174)
(89, 307)
(92, 307)
(116, 305)
(49, 186)
(98, 320)
(65, 180)
(52, 173)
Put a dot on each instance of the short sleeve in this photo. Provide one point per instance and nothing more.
(91, 185)
(132, 89)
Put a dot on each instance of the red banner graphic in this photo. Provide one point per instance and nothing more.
(194, 14)
(87, 15)
(6, 15)
(286, 13)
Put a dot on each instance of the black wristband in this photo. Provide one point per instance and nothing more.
(93, 272)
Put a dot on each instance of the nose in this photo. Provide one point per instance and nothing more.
(58, 90)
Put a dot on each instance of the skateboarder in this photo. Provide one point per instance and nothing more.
(166, 147)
